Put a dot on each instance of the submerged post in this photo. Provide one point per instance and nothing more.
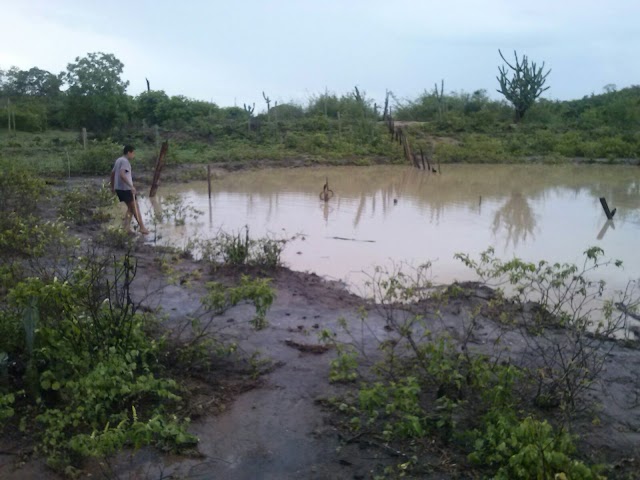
(605, 207)
(209, 180)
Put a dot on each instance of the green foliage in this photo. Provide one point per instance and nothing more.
(331, 128)
(524, 86)
(29, 83)
(527, 449)
(398, 402)
(563, 291)
(31, 238)
(235, 249)
(238, 249)
(429, 388)
(568, 300)
(6, 407)
(256, 291)
(101, 397)
(90, 361)
(344, 366)
(157, 108)
(473, 148)
(115, 237)
(87, 204)
(96, 97)
(167, 434)
(19, 190)
(97, 159)
(175, 209)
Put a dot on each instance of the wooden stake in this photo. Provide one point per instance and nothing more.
(84, 138)
(209, 179)
(605, 207)
(159, 165)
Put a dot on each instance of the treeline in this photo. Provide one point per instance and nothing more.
(91, 94)
(612, 111)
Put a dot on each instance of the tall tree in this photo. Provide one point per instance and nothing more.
(33, 83)
(96, 97)
(524, 86)
(35, 97)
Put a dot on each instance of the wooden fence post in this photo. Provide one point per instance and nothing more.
(84, 138)
(159, 165)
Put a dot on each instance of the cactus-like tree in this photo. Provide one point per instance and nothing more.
(249, 109)
(525, 85)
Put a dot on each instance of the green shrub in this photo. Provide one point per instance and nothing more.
(29, 237)
(97, 159)
(90, 361)
(87, 204)
(240, 249)
(20, 191)
(527, 449)
(256, 291)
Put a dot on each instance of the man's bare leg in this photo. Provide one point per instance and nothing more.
(126, 222)
(136, 214)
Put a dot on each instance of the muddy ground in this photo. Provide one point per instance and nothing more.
(264, 418)
(279, 429)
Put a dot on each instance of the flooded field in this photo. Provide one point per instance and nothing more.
(390, 214)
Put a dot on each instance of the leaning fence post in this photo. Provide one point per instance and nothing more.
(605, 207)
(159, 165)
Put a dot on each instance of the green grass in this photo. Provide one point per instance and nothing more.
(60, 153)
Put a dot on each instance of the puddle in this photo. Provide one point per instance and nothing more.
(381, 215)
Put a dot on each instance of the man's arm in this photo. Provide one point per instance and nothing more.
(123, 176)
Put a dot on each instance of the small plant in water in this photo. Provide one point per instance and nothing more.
(240, 249)
(175, 209)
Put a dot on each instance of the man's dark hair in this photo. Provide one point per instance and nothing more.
(128, 148)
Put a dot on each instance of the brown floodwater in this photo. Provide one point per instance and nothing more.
(385, 215)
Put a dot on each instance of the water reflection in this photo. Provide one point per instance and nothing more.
(533, 212)
(516, 217)
(325, 212)
(605, 227)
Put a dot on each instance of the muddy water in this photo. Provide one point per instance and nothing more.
(382, 214)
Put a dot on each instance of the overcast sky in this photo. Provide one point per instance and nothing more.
(230, 51)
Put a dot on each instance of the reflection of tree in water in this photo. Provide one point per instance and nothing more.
(517, 218)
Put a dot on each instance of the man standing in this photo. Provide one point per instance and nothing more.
(122, 184)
